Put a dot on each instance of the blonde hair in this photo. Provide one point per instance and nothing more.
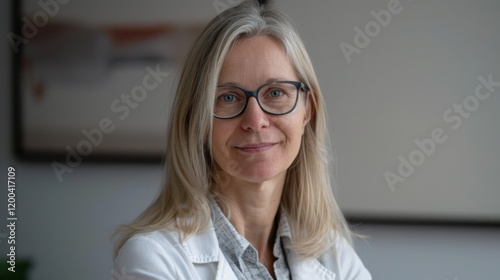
(314, 217)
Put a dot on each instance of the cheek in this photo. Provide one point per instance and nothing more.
(295, 127)
(293, 138)
(220, 134)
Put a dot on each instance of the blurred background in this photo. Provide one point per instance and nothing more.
(411, 88)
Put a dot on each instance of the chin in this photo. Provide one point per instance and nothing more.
(259, 175)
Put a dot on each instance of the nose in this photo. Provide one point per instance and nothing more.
(254, 119)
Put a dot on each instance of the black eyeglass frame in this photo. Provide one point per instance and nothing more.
(248, 93)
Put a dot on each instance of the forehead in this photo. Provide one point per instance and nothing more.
(254, 61)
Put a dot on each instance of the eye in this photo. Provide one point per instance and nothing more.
(227, 97)
(275, 93)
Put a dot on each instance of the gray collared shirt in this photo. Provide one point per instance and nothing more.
(242, 256)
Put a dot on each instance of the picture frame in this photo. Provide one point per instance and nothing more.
(87, 87)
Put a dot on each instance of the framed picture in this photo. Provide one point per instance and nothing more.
(96, 82)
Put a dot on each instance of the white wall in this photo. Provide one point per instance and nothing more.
(64, 227)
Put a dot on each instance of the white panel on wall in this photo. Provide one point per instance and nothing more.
(412, 90)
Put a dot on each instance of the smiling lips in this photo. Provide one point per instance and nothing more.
(255, 148)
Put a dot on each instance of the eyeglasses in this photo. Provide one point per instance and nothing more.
(276, 98)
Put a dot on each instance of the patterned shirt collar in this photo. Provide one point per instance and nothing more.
(230, 241)
(237, 249)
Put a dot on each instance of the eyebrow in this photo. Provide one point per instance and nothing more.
(270, 80)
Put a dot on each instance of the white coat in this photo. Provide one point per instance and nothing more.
(160, 255)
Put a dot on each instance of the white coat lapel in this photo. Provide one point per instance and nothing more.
(306, 269)
(206, 256)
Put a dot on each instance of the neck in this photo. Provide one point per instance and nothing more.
(253, 208)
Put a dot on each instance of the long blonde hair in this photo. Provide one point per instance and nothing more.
(314, 217)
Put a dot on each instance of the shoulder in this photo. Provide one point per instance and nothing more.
(152, 255)
(344, 261)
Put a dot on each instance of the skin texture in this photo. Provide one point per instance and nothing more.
(254, 150)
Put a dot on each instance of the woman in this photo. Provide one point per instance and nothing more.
(247, 193)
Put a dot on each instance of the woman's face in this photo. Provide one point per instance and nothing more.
(256, 146)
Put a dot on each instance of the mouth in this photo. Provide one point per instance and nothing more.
(256, 148)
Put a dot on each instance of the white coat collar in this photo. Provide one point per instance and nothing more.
(307, 268)
(204, 248)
